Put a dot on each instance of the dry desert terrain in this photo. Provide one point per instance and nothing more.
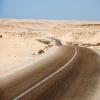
(22, 41)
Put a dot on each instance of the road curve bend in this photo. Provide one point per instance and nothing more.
(49, 77)
(21, 82)
(63, 73)
(82, 82)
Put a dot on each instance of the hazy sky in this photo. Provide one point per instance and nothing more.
(51, 9)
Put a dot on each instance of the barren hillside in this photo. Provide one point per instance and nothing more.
(23, 41)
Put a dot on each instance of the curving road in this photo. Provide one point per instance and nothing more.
(63, 73)
(82, 82)
(16, 82)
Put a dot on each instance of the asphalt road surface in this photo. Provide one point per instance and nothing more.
(63, 73)
(82, 82)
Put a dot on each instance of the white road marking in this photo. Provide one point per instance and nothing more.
(47, 78)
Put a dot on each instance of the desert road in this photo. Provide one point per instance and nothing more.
(63, 73)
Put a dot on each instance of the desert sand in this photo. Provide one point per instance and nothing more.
(23, 41)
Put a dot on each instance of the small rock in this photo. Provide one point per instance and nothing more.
(75, 44)
(0, 36)
(40, 51)
(98, 43)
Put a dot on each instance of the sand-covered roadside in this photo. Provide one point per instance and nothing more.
(23, 41)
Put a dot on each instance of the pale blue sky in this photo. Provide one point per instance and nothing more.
(51, 9)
